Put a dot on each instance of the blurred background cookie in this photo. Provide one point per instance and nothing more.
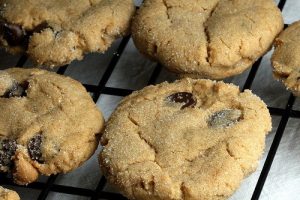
(286, 59)
(6, 194)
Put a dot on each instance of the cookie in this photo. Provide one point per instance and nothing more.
(49, 124)
(54, 33)
(6, 194)
(207, 38)
(192, 139)
(286, 60)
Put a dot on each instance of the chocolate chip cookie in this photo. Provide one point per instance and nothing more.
(192, 139)
(285, 59)
(49, 124)
(6, 194)
(55, 33)
(207, 38)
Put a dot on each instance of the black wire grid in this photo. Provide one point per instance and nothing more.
(96, 90)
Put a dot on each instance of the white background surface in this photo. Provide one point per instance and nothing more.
(133, 72)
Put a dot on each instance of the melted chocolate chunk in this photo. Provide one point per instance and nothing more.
(7, 151)
(224, 118)
(34, 148)
(185, 98)
(39, 28)
(17, 90)
(12, 33)
(16, 36)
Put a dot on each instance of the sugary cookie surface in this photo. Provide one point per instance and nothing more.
(192, 139)
(6, 194)
(286, 60)
(206, 38)
(49, 124)
(55, 33)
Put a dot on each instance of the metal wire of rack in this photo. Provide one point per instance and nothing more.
(97, 90)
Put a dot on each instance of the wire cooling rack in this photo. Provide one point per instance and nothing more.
(48, 186)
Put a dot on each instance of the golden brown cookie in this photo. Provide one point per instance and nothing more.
(192, 139)
(206, 38)
(286, 60)
(55, 33)
(6, 194)
(49, 124)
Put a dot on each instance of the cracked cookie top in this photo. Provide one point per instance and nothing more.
(206, 38)
(6, 194)
(48, 124)
(192, 139)
(286, 60)
(54, 33)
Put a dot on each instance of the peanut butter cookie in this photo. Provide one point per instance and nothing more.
(54, 33)
(192, 139)
(206, 38)
(285, 59)
(6, 194)
(49, 124)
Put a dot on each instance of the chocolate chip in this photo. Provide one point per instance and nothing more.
(185, 98)
(17, 90)
(39, 28)
(7, 151)
(224, 118)
(16, 36)
(34, 148)
(12, 33)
